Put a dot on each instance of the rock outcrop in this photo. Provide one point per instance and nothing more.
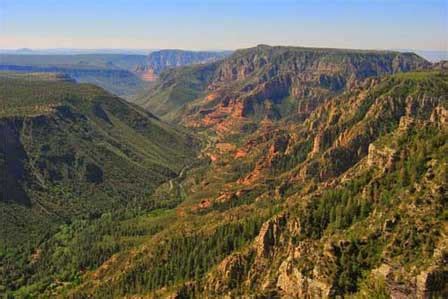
(269, 236)
(293, 284)
(383, 158)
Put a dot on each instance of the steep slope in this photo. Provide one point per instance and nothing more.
(73, 151)
(267, 83)
(158, 61)
(367, 212)
(351, 201)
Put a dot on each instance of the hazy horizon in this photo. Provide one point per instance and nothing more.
(226, 25)
(430, 55)
(123, 50)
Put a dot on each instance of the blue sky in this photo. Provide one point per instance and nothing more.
(221, 24)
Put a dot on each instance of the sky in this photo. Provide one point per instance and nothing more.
(224, 24)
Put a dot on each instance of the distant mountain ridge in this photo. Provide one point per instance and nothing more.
(431, 55)
(267, 82)
(159, 61)
(75, 51)
(121, 74)
(110, 71)
(117, 81)
(122, 61)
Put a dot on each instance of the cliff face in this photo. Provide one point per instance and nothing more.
(277, 82)
(145, 73)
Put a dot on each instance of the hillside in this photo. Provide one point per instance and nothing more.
(351, 201)
(158, 61)
(73, 154)
(266, 83)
